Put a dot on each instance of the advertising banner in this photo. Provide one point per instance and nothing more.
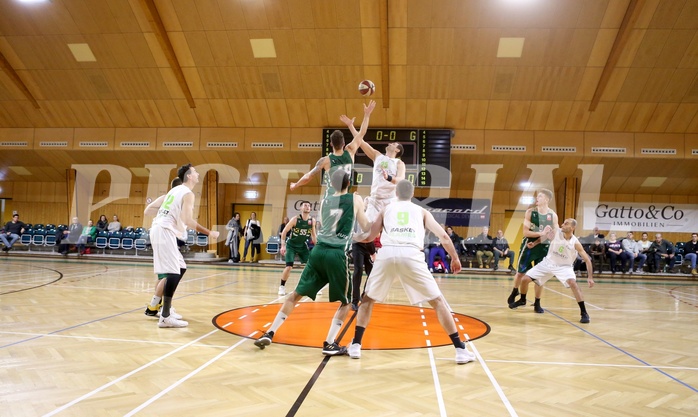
(645, 217)
(459, 211)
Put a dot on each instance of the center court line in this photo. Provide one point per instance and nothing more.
(694, 389)
(189, 375)
(121, 378)
(437, 383)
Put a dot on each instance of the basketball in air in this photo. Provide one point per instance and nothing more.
(366, 88)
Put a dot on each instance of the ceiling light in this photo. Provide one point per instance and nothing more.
(653, 181)
(527, 199)
(251, 194)
(33, 1)
(82, 52)
(263, 48)
(510, 47)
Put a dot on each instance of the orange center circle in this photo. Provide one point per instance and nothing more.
(391, 326)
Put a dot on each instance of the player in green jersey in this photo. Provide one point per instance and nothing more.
(328, 262)
(294, 241)
(342, 156)
(538, 222)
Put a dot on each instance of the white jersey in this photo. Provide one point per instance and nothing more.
(562, 251)
(380, 187)
(170, 213)
(403, 225)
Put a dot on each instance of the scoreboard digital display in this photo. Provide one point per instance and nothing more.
(427, 154)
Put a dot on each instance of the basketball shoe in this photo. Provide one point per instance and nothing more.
(463, 355)
(265, 340)
(170, 321)
(354, 351)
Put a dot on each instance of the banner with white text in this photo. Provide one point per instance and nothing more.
(645, 217)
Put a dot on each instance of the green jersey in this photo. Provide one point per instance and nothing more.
(538, 223)
(337, 221)
(298, 236)
(344, 162)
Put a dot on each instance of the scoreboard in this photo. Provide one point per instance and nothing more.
(427, 154)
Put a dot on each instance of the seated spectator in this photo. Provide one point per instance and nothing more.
(102, 223)
(597, 250)
(455, 239)
(283, 224)
(595, 234)
(614, 250)
(436, 250)
(88, 235)
(69, 236)
(691, 252)
(662, 250)
(114, 225)
(644, 245)
(484, 248)
(631, 248)
(500, 248)
(13, 230)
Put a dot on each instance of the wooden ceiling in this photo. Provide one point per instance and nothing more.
(190, 64)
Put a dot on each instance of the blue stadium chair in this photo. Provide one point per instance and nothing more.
(26, 238)
(127, 239)
(114, 241)
(39, 237)
(273, 246)
(102, 241)
(201, 239)
(140, 243)
(51, 237)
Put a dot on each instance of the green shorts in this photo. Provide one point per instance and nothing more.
(531, 257)
(291, 252)
(327, 265)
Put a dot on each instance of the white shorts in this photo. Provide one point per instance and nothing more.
(545, 270)
(373, 208)
(167, 259)
(406, 264)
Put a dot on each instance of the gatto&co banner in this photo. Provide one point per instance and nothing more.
(645, 217)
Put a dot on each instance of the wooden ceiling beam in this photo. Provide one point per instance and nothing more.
(385, 53)
(619, 43)
(7, 67)
(155, 20)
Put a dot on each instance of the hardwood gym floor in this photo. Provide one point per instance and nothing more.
(74, 342)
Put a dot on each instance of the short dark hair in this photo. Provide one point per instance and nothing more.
(340, 180)
(183, 171)
(15, 215)
(305, 201)
(400, 150)
(337, 139)
(175, 182)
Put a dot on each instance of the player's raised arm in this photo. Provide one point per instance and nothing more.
(353, 146)
(322, 163)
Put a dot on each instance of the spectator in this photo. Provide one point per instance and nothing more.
(441, 264)
(631, 249)
(69, 236)
(644, 245)
(662, 250)
(233, 239)
(13, 229)
(283, 224)
(691, 252)
(500, 248)
(87, 236)
(102, 223)
(455, 239)
(598, 253)
(251, 232)
(114, 225)
(595, 235)
(614, 249)
(484, 248)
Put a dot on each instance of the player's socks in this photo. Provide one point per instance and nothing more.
(455, 339)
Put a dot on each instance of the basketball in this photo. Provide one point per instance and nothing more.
(366, 88)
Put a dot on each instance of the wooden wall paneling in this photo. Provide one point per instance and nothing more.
(620, 114)
(599, 118)
(122, 135)
(558, 139)
(221, 112)
(436, 113)
(94, 135)
(241, 113)
(538, 114)
(610, 140)
(682, 118)
(661, 117)
(497, 114)
(278, 113)
(204, 114)
(259, 112)
(558, 115)
(174, 135)
(679, 85)
(415, 112)
(507, 138)
(579, 116)
(479, 81)
(456, 113)
(517, 115)
(306, 135)
(477, 114)
(656, 84)
(297, 113)
(634, 84)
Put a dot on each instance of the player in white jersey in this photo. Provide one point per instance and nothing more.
(175, 212)
(403, 224)
(564, 247)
